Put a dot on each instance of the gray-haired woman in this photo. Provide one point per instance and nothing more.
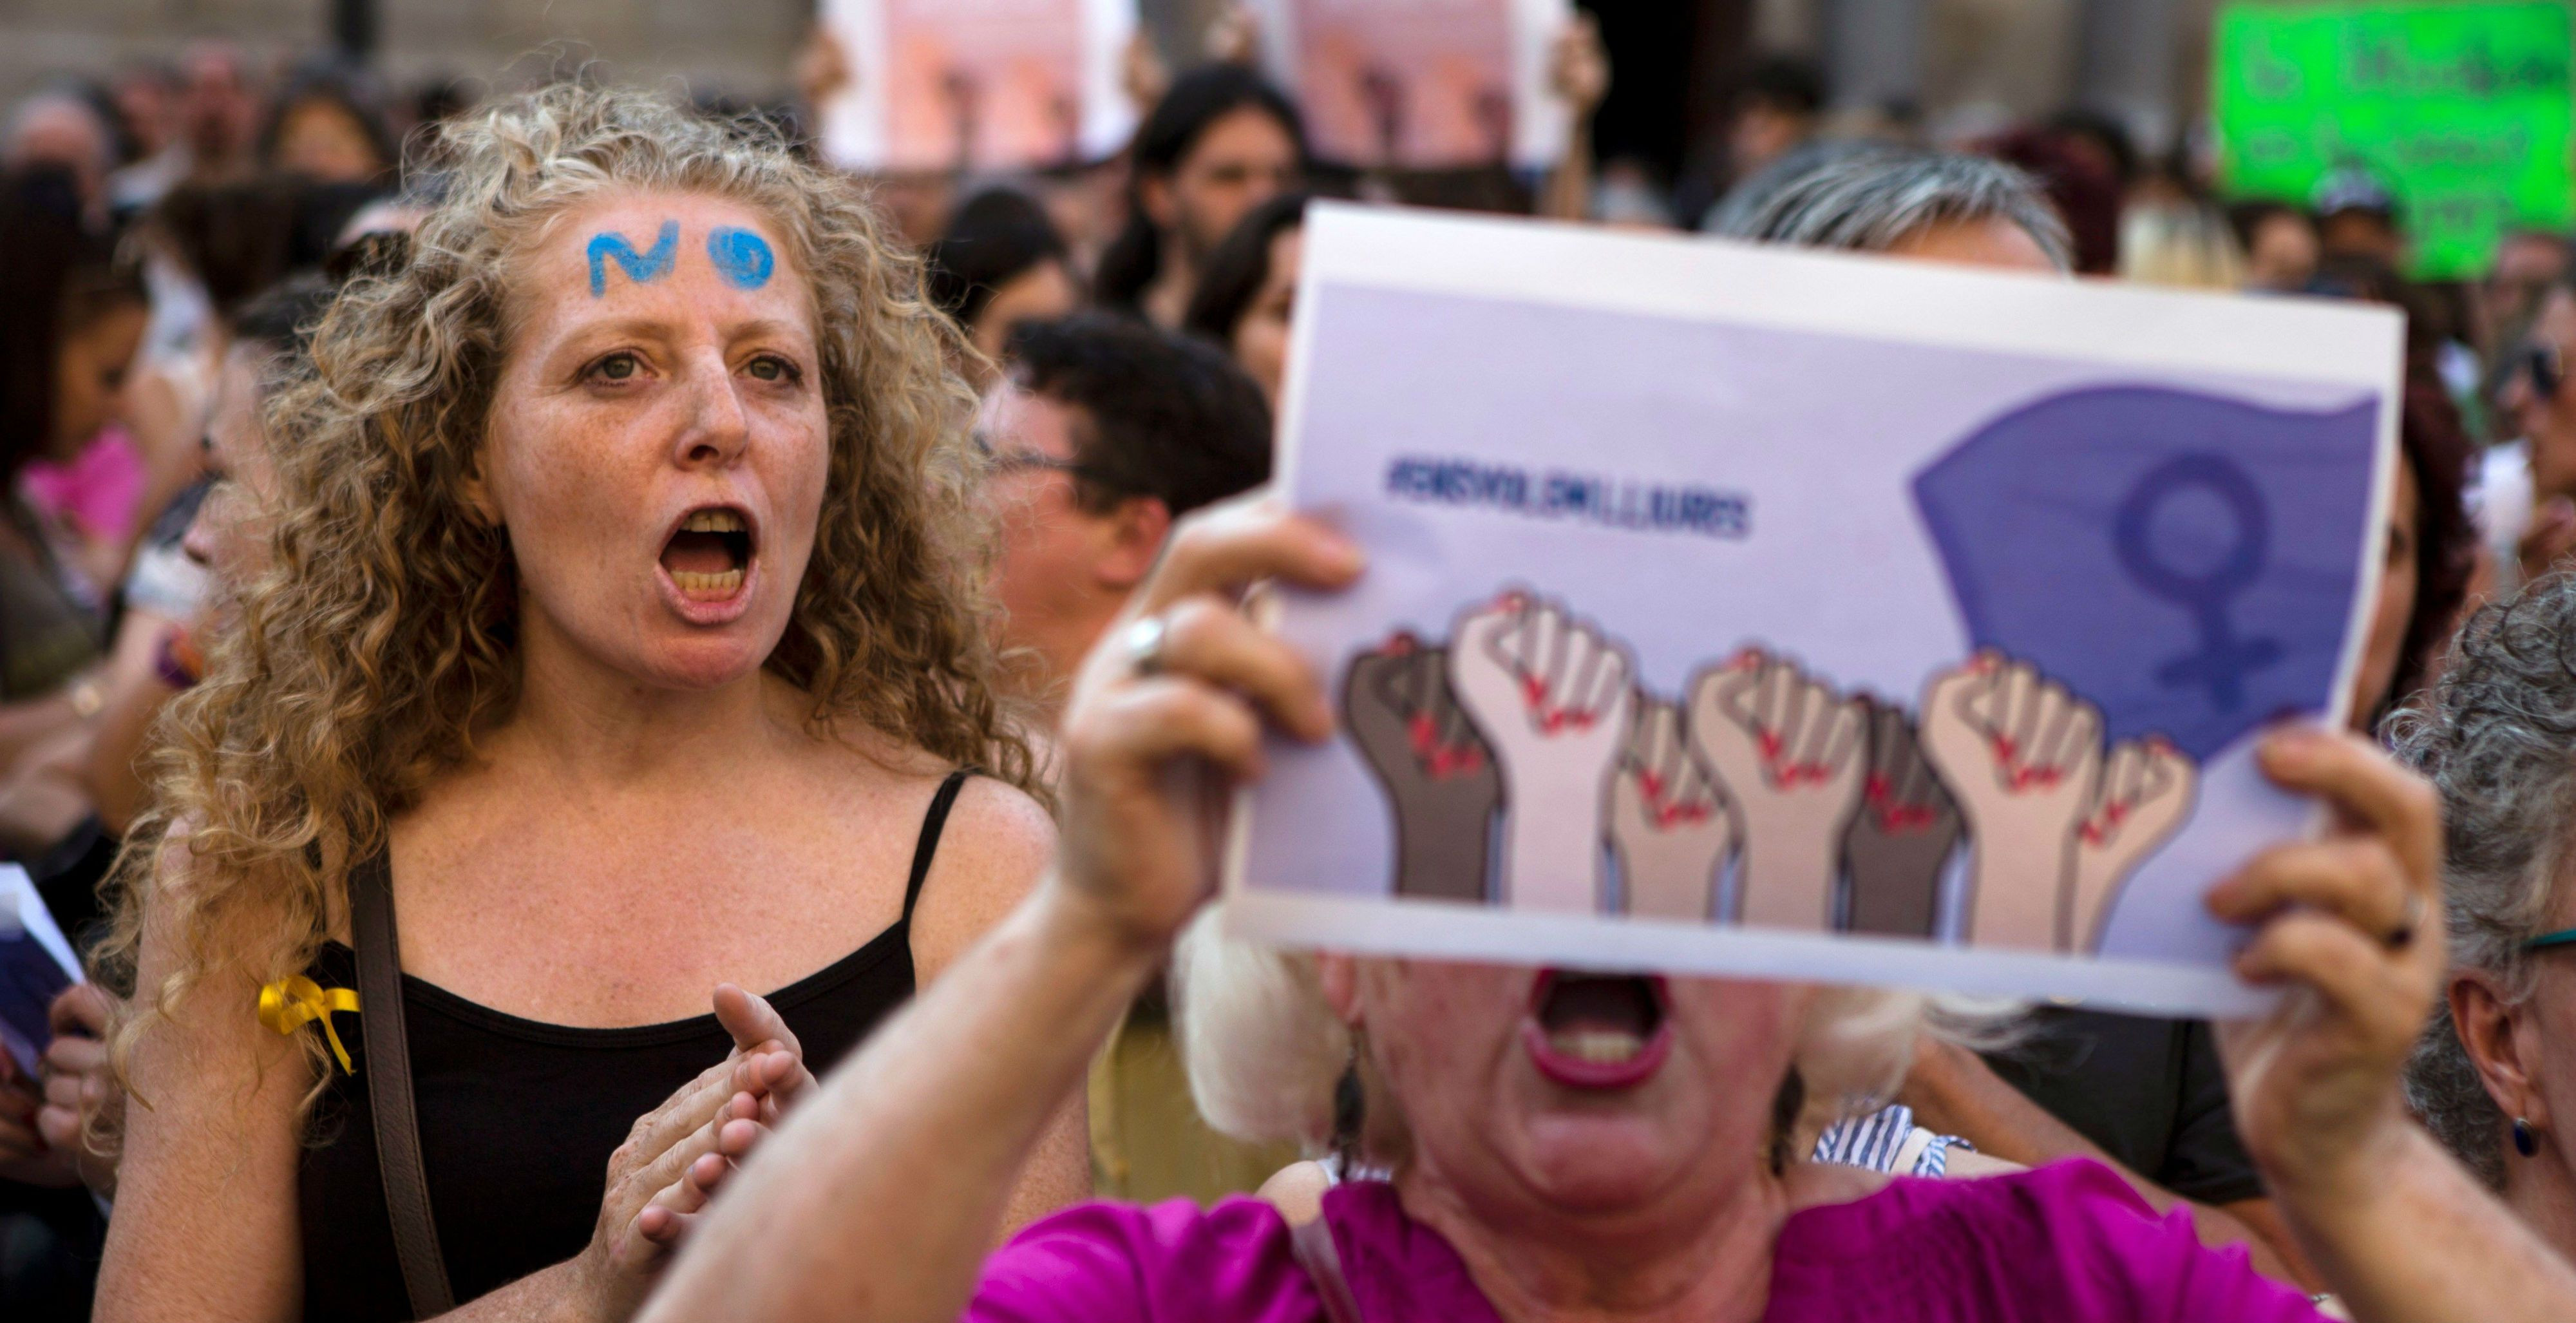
(2495, 1077)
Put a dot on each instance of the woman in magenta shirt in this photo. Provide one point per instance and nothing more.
(1537, 1172)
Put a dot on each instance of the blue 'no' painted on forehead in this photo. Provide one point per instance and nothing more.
(643, 268)
(741, 257)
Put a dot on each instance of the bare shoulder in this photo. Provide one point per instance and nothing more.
(996, 844)
(1297, 1191)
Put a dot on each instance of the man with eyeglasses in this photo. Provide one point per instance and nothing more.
(1103, 433)
(1106, 430)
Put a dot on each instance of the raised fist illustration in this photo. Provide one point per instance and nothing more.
(2143, 796)
(1791, 754)
(1438, 775)
(2021, 755)
(1897, 843)
(1551, 695)
(1668, 820)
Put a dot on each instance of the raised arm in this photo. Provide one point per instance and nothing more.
(2352, 928)
(879, 1197)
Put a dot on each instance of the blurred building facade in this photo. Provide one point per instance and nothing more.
(1965, 65)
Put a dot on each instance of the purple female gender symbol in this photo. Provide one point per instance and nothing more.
(2223, 660)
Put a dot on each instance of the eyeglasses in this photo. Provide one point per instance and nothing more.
(1014, 461)
(2549, 941)
(2547, 368)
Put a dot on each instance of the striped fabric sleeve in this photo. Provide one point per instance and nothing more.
(1887, 1140)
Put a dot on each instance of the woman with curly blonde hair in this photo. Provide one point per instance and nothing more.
(621, 633)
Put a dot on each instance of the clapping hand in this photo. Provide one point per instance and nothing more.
(676, 1156)
(1791, 754)
(1552, 696)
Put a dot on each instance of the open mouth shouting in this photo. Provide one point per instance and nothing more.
(709, 560)
(1598, 1031)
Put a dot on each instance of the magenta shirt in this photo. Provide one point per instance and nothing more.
(2065, 1242)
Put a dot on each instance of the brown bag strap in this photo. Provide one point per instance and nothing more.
(380, 1016)
(1313, 1243)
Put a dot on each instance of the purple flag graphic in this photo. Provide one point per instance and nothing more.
(2185, 561)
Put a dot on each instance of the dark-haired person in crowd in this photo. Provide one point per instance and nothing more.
(62, 128)
(2429, 555)
(2527, 490)
(175, 597)
(1102, 434)
(70, 318)
(1218, 144)
(2144, 1094)
(2280, 245)
(2357, 216)
(324, 125)
(2079, 183)
(153, 659)
(2100, 141)
(1778, 103)
(999, 264)
(1246, 296)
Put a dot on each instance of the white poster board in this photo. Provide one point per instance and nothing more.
(942, 85)
(1801, 615)
(1421, 84)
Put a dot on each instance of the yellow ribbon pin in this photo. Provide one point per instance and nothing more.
(294, 1001)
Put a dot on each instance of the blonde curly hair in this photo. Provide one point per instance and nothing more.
(381, 641)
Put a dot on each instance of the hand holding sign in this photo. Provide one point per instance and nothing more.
(1793, 753)
(1668, 820)
(1552, 696)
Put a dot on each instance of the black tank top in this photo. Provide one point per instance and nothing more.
(517, 1118)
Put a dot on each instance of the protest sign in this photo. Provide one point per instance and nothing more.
(35, 964)
(978, 84)
(1805, 615)
(1421, 84)
(2461, 110)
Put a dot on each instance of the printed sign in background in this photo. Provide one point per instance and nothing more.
(1693, 568)
(2460, 109)
(940, 85)
(1420, 84)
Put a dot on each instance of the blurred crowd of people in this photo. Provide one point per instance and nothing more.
(191, 490)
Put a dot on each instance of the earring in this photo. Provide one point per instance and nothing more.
(2523, 1141)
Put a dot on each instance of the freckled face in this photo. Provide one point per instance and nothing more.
(658, 446)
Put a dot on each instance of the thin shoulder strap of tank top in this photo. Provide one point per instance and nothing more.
(932, 823)
(1312, 1242)
(389, 1098)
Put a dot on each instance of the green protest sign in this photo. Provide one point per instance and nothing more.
(2460, 109)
